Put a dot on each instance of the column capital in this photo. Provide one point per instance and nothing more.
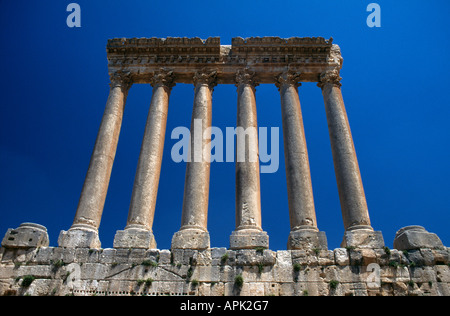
(330, 76)
(163, 77)
(207, 77)
(289, 77)
(247, 77)
(122, 79)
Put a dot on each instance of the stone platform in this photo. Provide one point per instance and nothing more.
(45, 271)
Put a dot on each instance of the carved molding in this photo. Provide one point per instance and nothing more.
(163, 77)
(206, 76)
(121, 79)
(288, 77)
(267, 56)
(246, 76)
(330, 76)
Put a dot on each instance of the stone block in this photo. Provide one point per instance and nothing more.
(27, 235)
(305, 257)
(202, 257)
(251, 257)
(79, 238)
(134, 238)
(307, 239)
(423, 274)
(341, 256)
(43, 255)
(362, 238)
(283, 271)
(183, 256)
(93, 271)
(38, 271)
(368, 256)
(326, 257)
(218, 256)
(122, 256)
(442, 273)
(165, 257)
(428, 256)
(383, 256)
(107, 256)
(217, 289)
(416, 237)
(441, 256)
(249, 239)
(190, 239)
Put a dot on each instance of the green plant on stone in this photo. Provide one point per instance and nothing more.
(27, 280)
(334, 284)
(149, 263)
(238, 280)
(260, 268)
(224, 258)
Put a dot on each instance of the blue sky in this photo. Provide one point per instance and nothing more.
(54, 87)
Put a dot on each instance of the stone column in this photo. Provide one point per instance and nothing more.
(193, 233)
(304, 232)
(359, 232)
(84, 231)
(248, 232)
(138, 232)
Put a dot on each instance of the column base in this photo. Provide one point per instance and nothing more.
(307, 239)
(78, 237)
(134, 238)
(191, 239)
(416, 237)
(363, 238)
(249, 239)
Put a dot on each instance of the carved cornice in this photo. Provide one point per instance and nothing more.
(267, 56)
(330, 76)
(163, 77)
(207, 77)
(288, 77)
(246, 77)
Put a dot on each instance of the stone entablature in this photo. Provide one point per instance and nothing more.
(268, 56)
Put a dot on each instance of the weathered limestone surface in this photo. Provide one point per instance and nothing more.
(138, 232)
(46, 271)
(416, 237)
(27, 235)
(248, 232)
(213, 272)
(193, 233)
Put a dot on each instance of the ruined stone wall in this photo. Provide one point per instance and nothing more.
(222, 272)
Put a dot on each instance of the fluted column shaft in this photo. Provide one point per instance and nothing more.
(248, 231)
(351, 192)
(145, 188)
(93, 194)
(193, 233)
